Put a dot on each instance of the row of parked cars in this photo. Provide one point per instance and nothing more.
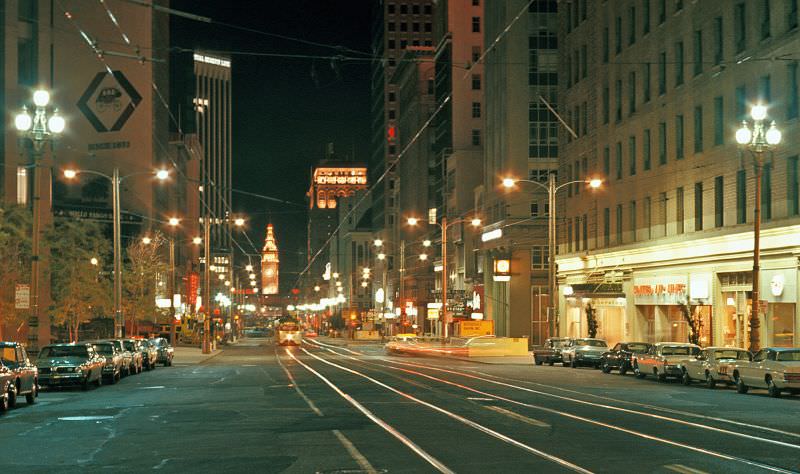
(776, 369)
(75, 364)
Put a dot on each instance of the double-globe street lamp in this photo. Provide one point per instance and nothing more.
(39, 129)
(444, 225)
(551, 188)
(115, 179)
(758, 138)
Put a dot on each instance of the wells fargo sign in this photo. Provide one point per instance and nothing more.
(659, 290)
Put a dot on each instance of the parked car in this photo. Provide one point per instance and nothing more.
(584, 351)
(713, 365)
(619, 357)
(149, 354)
(113, 367)
(664, 359)
(70, 364)
(134, 346)
(124, 352)
(775, 368)
(24, 376)
(550, 352)
(165, 351)
(6, 386)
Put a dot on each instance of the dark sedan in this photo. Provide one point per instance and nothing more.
(165, 350)
(619, 357)
(70, 364)
(24, 375)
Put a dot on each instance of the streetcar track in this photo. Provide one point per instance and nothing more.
(375, 419)
(632, 432)
(610, 407)
(461, 419)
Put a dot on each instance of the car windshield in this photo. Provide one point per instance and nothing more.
(130, 346)
(561, 343)
(731, 354)
(590, 342)
(63, 351)
(679, 350)
(788, 356)
(638, 347)
(105, 349)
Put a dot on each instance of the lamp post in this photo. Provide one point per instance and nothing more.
(39, 129)
(119, 322)
(444, 225)
(551, 188)
(757, 138)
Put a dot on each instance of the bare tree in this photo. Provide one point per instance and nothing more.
(693, 320)
(146, 262)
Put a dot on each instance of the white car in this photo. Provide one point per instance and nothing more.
(775, 368)
(713, 365)
(584, 351)
(664, 360)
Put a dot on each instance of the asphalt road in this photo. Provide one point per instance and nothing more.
(318, 408)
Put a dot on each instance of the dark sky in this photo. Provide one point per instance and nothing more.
(286, 109)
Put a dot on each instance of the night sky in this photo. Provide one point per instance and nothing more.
(286, 109)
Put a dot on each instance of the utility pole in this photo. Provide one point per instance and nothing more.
(551, 255)
(444, 279)
(172, 290)
(119, 322)
(206, 283)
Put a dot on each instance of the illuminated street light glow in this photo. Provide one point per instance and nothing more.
(221, 276)
(426, 243)
(377, 242)
(146, 240)
(238, 221)
(94, 261)
(316, 288)
(69, 174)
(174, 221)
(509, 182)
(475, 222)
(595, 183)
(381, 256)
(364, 284)
(197, 240)
(252, 276)
(758, 112)
(56, 123)
(23, 121)
(248, 268)
(423, 256)
(227, 283)
(41, 98)
(162, 174)
(412, 221)
(335, 275)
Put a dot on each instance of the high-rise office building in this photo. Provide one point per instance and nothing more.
(656, 91)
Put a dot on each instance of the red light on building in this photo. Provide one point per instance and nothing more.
(295, 291)
(391, 133)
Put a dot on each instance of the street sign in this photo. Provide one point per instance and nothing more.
(109, 101)
(22, 296)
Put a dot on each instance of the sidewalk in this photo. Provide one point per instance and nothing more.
(188, 355)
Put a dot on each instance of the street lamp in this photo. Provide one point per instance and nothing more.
(551, 190)
(39, 129)
(757, 138)
(444, 225)
(115, 179)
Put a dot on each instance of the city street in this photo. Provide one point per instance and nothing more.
(328, 408)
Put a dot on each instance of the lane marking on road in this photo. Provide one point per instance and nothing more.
(466, 421)
(85, 418)
(647, 406)
(609, 407)
(297, 387)
(154, 387)
(518, 417)
(683, 469)
(378, 421)
(218, 381)
(482, 399)
(332, 346)
(249, 365)
(355, 453)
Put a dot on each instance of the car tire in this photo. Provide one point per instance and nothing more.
(772, 389)
(623, 369)
(537, 361)
(686, 379)
(740, 386)
(605, 368)
(710, 382)
(638, 373)
(99, 381)
(661, 377)
(564, 363)
(85, 384)
(31, 397)
(573, 363)
(12, 396)
(550, 362)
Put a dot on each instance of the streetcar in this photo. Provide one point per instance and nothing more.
(289, 334)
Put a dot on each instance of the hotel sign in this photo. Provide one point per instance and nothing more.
(666, 290)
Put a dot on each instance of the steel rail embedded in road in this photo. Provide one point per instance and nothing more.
(375, 419)
(584, 419)
(464, 420)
